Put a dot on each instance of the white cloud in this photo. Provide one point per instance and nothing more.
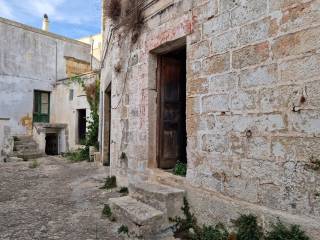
(5, 10)
(71, 16)
(37, 8)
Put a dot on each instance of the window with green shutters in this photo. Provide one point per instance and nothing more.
(41, 108)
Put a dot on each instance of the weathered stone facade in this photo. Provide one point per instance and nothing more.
(35, 60)
(253, 117)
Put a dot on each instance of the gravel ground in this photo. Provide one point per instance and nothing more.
(56, 200)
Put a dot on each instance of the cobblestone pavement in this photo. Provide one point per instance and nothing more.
(56, 200)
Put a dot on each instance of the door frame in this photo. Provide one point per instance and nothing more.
(159, 128)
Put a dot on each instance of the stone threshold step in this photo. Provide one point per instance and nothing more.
(167, 199)
(157, 189)
(139, 213)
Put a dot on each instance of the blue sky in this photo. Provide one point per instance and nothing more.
(70, 18)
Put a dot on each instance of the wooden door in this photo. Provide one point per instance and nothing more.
(170, 127)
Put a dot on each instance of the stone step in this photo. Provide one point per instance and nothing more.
(167, 199)
(29, 142)
(27, 155)
(26, 147)
(141, 219)
(23, 138)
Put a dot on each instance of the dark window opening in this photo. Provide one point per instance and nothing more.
(172, 135)
(82, 125)
(52, 144)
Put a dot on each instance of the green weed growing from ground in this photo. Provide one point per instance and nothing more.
(123, 230)
(124, 190)
(180, 169)
(281, 232)
(110, 182)
(246, 228)
(79, 155)
(34, 164)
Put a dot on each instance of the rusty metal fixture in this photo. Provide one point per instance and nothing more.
(303, 99)
(118, 67)
(248, 133)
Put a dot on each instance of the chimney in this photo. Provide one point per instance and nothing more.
(45, 23)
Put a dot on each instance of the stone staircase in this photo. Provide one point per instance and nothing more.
(147, 209)
(26, 148)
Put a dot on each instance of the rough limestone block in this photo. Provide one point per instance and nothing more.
(297, 43)
(216, 64)
(199, 50)
(300, 69)
(139, 217)
(250, 55)
(248, 11)
(256, 31)
(300, 16)
(225, 41)
(259, 148)
(223, 83)
(214, 143)
(217, 24)
(167, 199)
(215, 103)
(259, 76)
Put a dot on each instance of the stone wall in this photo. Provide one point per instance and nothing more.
(31, 59)
(67, 98)
(253, 117)
(6, 141)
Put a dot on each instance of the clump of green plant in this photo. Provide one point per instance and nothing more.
(106, 212)
(78, 155)
(124, 190)
(110, 182)
(92, 91)
(34, 164)
(281, 232)
(180, 169)
(247, 228)
(314, 163)
(189, 222)
(219, 232)
(188, 228)
(123, 229)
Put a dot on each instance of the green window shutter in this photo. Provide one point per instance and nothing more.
(41, 112)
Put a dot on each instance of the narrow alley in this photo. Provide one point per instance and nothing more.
(55, 200)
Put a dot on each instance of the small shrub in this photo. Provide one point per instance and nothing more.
(247, 228)
(111, 182)
(219, 232)
(106, 211)
(314, 163)
(185, 224)
(124, 190)
(123, 230)
(180, 169)
(281, 232)
(78, 155)
(34, 164)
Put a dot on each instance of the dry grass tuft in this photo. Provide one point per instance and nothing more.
(112, 9)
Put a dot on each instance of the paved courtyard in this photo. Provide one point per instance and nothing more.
(56, 200)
